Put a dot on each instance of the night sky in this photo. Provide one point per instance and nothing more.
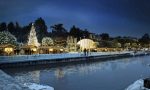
(116, 17)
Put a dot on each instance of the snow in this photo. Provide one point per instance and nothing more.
(137, 85)
(34, 86)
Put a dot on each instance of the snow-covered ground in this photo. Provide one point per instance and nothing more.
(137, 85)
(9, 83)
(34, 86)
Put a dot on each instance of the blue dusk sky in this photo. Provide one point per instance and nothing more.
(116, 17)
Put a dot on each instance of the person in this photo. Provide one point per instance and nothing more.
(87, 52)
(84, 51)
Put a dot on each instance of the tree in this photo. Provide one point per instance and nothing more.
(116, 44)
(145, 40)
(18, 33)
(32, 38)
(59, 31)
(24, 33)
(7, 38)
(79, 33)
(3, 26)
(85, 33)
(47, 41)
(75, 32)
(41, 29)
(104, 36)
(11, 28)
(105, 43)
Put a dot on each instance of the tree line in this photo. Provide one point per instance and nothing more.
(58, 30)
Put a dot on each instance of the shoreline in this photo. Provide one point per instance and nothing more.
(9, 83)
(31, 60)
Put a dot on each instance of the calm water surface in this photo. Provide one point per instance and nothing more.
(108, 75)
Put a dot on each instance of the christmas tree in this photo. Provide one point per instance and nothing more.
(7, 38)
(32, 39)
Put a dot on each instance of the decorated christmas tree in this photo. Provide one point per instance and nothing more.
(47, 41)
(32, 39)
(7, 38)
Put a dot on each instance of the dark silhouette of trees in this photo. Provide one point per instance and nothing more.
(25, 33)
(3, 26)
(124, 40)
(41, 29)
(59, 31)
(79, 33)
(104, 36)
(18, 32)
(145, 39)
(76, 32)
(85, 33)
(11, 28)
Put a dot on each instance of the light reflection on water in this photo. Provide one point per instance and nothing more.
(109, 75)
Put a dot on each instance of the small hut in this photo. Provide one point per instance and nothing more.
(7, 49)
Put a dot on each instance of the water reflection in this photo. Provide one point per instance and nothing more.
(59, 73)
(108, 75)
(33, 76)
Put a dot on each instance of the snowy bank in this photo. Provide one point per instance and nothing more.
(34, 86)
(137, 85)
(9, 83)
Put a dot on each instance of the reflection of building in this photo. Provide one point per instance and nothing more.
(7, 49)
(33, 76)
(71, 43)
(59, 73)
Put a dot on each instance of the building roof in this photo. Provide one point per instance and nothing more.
(7, 45)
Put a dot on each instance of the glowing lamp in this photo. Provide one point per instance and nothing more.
(50, 49)
(61, 49)
(34, 49)
(8, 50)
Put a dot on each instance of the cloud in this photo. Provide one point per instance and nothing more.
(125, 17)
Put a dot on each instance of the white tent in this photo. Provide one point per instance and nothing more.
(86, 44)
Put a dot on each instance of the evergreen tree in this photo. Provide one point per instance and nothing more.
(145, 40)
(24, 33)
(3, 26)
(79, 33)
(47, 41)
(7, 38)
(41, 29)
(104, 36)
(32, 38)
(59, 31)
(11, 28)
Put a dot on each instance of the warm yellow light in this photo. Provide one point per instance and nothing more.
(61, 49)
(51, 49)
(34, 49)
(8, 50)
